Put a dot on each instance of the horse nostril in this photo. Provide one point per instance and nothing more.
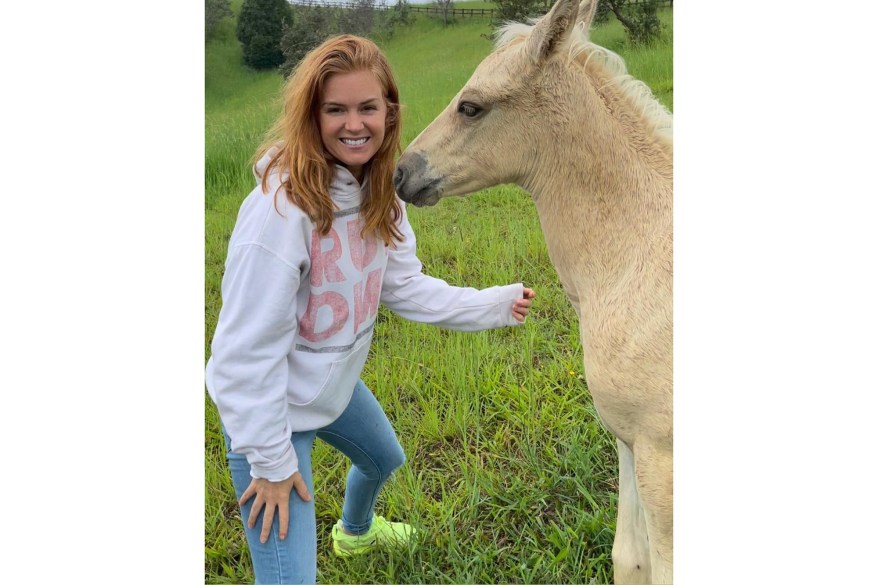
(398, 178)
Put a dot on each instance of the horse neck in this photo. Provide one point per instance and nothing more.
(603, 186)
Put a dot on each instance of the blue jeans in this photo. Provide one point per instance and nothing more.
(363, 433)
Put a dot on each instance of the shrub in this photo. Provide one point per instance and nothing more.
(310, 27)
(359, 19)
(399, 15)
(260, 30)
(214, 12)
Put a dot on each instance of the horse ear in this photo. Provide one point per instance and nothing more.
(552, 30)
(587, 9)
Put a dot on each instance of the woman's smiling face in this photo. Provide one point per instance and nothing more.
(352, 119)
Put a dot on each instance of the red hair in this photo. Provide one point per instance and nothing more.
(301, 153)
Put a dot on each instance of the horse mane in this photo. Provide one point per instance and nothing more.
(659, 121)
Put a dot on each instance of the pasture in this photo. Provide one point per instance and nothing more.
(510, 476)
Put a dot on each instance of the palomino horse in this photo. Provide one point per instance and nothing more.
(559, 116)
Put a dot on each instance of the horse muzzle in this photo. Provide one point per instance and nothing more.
(413, 182)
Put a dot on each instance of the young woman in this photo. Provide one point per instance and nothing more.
(319, 242)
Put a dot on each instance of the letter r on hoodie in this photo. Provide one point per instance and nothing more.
(325, 263)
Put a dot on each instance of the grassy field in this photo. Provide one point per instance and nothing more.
(510, 476)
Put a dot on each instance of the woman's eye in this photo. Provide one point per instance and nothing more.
(469, 110)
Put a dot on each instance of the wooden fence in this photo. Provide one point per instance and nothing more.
(423, 8)
(433, 9)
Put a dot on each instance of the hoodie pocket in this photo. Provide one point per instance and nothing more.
(324, 384)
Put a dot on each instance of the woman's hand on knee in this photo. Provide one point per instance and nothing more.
(273, 495)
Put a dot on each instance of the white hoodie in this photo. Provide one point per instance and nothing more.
(298, 314)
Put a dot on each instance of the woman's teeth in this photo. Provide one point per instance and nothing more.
(352, 142)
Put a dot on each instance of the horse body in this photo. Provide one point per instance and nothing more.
(556, 115)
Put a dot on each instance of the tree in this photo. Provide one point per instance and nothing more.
(311, 26)
(521, 10)
(640, 19)
(314, 24)
(402, 13)
(214, 12)
(602, 14)
(260, 30)
(445, 9)
(358, 19)
(399, 15)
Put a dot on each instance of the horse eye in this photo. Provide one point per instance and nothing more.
(469, 110)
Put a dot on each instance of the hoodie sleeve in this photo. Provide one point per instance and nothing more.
(408, 292)
(254, 333)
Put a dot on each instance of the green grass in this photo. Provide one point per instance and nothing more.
(510, 476)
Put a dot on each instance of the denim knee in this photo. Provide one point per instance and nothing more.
(395, 459)
(382, 467)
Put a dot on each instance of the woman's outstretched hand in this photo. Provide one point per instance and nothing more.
(271, 495)
(521, 307)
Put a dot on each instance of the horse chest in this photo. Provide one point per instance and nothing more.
(628, 371)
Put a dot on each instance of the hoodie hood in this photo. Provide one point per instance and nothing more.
(262, 163)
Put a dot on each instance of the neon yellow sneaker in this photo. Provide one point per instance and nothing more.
(381, 534)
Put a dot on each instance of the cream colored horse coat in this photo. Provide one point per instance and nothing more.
(559, 116)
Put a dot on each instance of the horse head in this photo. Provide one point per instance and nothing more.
(494, 130)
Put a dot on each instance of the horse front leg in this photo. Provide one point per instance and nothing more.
(654, 471)
(631, 558)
